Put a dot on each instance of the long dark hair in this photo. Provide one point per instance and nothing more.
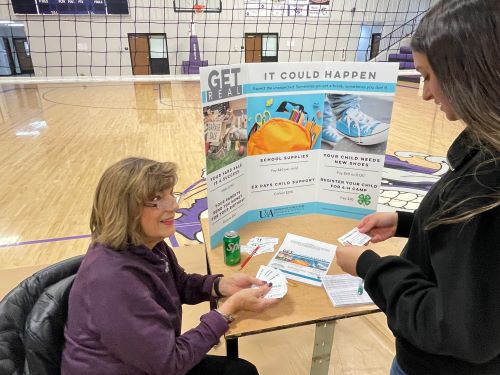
(461, 40)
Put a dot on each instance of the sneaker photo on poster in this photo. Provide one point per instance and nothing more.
(351, 120)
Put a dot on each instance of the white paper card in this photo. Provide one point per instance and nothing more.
(266, 245)
(272, 275)
(354, 237)
(343, 290)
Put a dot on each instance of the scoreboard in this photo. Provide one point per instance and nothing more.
(70, 6)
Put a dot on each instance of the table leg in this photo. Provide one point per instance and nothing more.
(323, 341)
(232, 348)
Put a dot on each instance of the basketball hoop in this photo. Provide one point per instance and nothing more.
(198, 8)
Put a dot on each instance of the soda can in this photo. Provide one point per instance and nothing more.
(231, 245)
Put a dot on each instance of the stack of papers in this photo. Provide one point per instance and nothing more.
(272, 275)
(354, 237)
(266, 245)
(343, 290)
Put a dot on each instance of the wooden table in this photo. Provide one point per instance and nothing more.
(304, 304)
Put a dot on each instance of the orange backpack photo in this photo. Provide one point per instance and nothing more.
(274, 135)
(278, 135)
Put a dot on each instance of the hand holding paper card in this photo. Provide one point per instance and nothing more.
(278, 280)
(354, 237)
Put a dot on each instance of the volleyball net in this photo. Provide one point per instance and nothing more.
(120, 38)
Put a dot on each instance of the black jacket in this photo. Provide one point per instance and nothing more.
(32, 319)
(442, 295)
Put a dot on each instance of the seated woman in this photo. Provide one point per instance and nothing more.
(125, 306)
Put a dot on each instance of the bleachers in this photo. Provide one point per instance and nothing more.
(405, 59)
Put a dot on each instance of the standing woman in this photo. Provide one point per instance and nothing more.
(442, 295)
(125, 306)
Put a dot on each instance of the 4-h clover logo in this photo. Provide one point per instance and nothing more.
(364, 200)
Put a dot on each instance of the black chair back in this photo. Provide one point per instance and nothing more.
(32, 321)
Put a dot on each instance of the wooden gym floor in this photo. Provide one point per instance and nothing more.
(57, 139)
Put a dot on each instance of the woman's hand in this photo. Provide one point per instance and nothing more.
(233, 284)
(379, 226)
(347, 257)
(250, 299)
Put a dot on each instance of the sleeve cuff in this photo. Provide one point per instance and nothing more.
(405, 221)
(216, 322)
(208, 284)
(365, 261)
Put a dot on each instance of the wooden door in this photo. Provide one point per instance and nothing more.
(139, 53)
(375, 45)
(158, 54)
(8, 53)
(253, 48)
(23, 55)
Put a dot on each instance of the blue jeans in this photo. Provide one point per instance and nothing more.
(395, 369)
(335, 105)
(339, 103)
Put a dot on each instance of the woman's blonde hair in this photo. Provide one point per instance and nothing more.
(119, 199)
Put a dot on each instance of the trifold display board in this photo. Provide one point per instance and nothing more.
(285, 139)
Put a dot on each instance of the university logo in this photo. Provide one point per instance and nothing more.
(265, 214)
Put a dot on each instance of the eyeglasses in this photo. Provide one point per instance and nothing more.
(168, 203)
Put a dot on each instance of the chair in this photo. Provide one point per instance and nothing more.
(32, 321)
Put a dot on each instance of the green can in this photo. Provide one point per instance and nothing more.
(231, 242)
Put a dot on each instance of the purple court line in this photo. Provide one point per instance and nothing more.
(192, 223)
(46, 240)
(56, 239)
(192, 186)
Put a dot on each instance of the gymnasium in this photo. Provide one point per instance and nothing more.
(85, 83)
